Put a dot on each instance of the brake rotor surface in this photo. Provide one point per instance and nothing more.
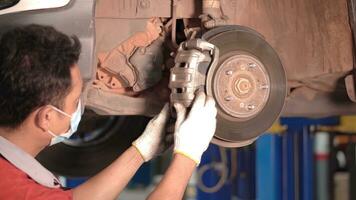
(248, 84)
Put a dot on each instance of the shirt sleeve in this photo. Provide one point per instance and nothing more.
(16, 185)
(39, 192)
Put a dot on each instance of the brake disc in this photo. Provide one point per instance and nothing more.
(248, 84)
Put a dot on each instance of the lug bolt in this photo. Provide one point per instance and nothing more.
(228, 98)
(228, 72)
(242, 105)
(264, 86)
(250, 107)
(252, 65)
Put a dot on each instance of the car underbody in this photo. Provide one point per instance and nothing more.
(276, 58)
(312, 40)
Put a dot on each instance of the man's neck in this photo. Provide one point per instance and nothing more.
(23, 140)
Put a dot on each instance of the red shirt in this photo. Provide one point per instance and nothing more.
(16, 185)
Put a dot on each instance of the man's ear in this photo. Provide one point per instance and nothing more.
(43, 117)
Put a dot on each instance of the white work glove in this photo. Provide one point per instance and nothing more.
(150, 143)
(194, 133)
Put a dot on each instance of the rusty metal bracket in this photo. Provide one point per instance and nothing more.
(212, 14)
(193, 59)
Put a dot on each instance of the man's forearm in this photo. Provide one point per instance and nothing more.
(112, 180)
(175, 180)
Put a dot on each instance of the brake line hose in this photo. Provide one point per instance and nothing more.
(218, 166)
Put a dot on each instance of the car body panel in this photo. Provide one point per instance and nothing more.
(27, 5)
(75, 18)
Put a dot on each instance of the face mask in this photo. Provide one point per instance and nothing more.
(74, 122)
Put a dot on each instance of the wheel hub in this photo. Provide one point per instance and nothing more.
(242, 86)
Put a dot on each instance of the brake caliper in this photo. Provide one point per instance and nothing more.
(193, 60)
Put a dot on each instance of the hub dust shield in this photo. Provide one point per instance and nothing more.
(244, 75)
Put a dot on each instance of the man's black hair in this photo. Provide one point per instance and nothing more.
(35, 64)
